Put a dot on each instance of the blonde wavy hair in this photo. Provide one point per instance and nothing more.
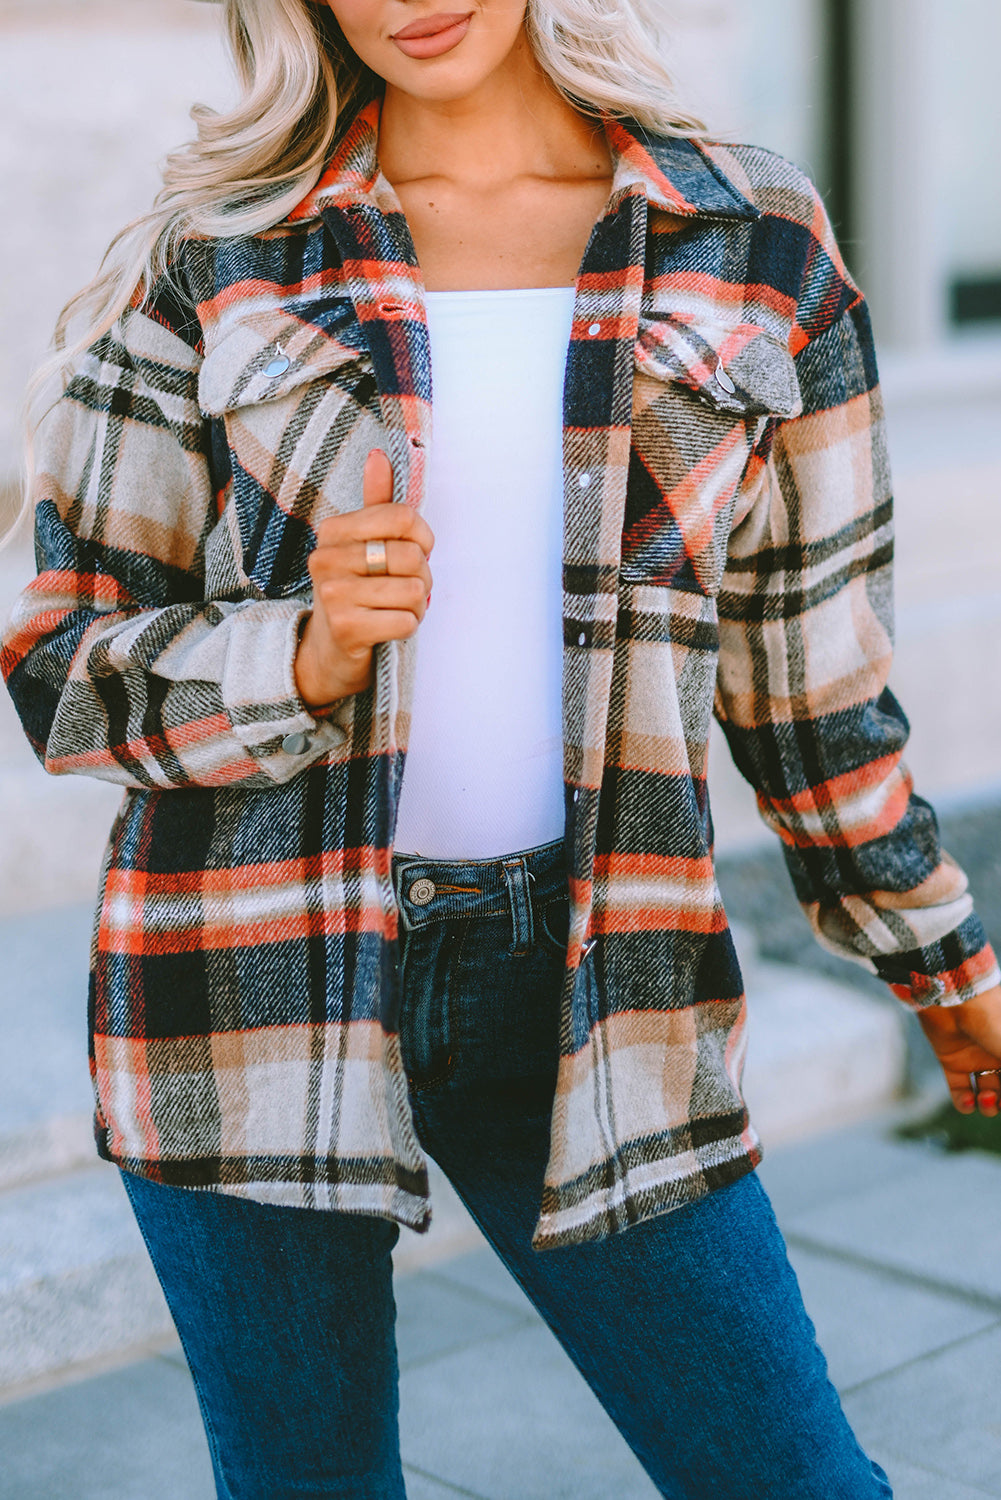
(301, 84)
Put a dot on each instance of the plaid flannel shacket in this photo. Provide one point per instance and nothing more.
(727, 543)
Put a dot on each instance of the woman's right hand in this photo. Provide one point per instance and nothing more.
(352, 609)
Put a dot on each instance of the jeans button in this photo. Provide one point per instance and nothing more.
(422, 891)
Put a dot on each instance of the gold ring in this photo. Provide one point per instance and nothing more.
(376, 561)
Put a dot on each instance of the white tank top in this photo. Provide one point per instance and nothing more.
(484, 767)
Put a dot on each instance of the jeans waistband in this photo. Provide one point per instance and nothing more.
(437, 890)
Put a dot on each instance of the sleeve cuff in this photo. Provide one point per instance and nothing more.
(922, 991)
(274, 726)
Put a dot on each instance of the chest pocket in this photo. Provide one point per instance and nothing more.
(297, 398)
(702, 395)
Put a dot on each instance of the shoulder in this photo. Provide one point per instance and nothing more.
(793, 247)
(787, 199)
(774, 185)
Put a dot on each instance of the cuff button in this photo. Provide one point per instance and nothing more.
(295, 744)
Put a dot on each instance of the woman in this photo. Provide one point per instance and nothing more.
(652, 372)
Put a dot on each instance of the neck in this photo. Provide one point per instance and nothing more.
(516, 124)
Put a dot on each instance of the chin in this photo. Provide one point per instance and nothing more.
(450, 78)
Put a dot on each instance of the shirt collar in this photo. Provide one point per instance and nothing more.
(674, 172)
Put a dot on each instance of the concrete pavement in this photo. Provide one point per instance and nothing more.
(895, 1245)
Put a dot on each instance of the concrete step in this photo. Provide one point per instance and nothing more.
(820, 1055)
(76, 1284)
(45, 1093)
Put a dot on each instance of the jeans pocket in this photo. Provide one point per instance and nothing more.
(552, 925)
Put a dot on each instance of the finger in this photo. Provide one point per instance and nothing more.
(980, 1020)
(987, 1084)
(961, 1091)
(404, 559)
(962, 1094)
(377, 594)
(374, 523)
(976, 1090)
(377, 479)
(370, 627)
(386, 592)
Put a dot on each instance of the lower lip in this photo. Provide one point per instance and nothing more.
(436, 45)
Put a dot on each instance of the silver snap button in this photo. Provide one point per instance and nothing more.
(723, 380)
(584, 480)
(295, 744)
(582, 639)
(588, 947)
(594, 328)
(277, 367)
(422, 891)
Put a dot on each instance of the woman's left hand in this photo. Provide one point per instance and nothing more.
(967, 1039)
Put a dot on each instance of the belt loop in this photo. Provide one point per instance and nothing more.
(399, 868)
(520, 895)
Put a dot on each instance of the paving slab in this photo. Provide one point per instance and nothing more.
(492, 1409)
(513, 1420)
(422, 1487)
(912, 1483)
(435, 1317)
(825, 1170)
(484, 1272)
(869, 1322)
(941, 1414)
(133, 1434)
(941, 1223)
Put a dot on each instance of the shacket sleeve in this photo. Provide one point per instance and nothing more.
(118, 665)
(806, 634)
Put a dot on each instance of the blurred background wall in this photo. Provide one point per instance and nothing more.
(891, 105)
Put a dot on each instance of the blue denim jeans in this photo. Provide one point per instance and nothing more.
(689, 1328)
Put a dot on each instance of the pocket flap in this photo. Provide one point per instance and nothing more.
(742, 369)
(264, 355)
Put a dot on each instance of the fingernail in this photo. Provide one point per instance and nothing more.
(988, 1100)
(967, 1103)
